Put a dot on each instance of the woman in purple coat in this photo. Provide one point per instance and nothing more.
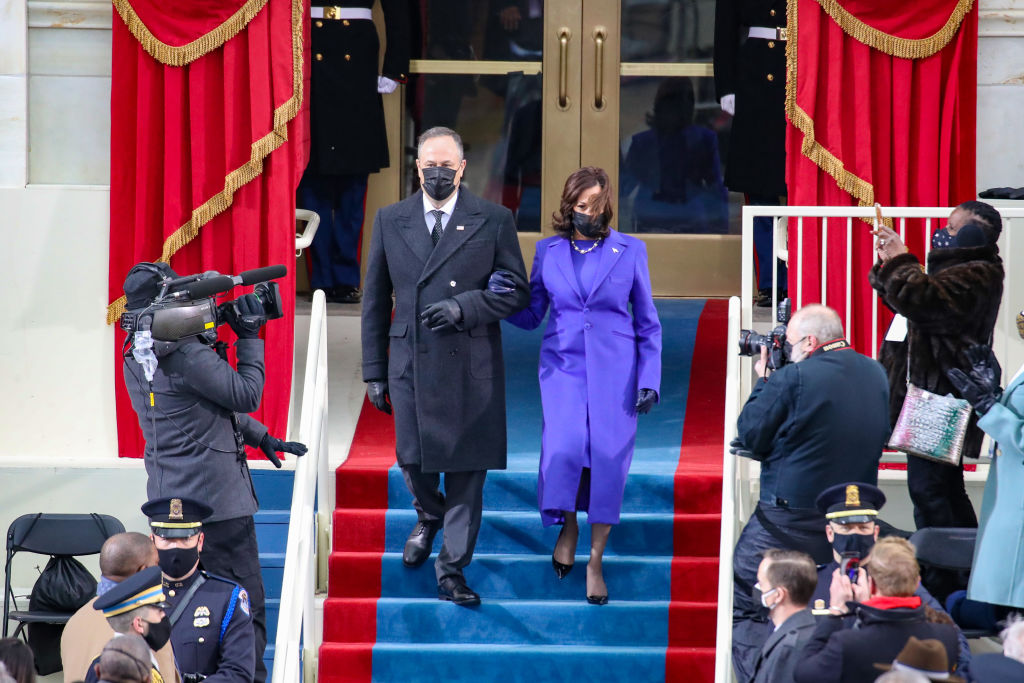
(600, 365)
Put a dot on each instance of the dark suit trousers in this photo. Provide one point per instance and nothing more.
(230, 551)
(460, 508)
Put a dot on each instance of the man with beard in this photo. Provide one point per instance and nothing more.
(210, 618)
(434, 351)
(815, 422)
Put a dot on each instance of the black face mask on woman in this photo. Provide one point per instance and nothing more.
(176, 562)
(586, 225)
(438, 182)
(159, 633)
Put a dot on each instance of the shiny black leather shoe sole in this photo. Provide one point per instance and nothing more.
(597, 599)
(562, 570)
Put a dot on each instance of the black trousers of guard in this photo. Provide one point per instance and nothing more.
(460, 509)
(230, 551)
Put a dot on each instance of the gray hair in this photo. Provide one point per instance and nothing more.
(819, 321)
(438, 132)
(1013, 638)
(125, 659)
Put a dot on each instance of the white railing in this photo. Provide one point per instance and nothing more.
(739, 474)
(305, 567)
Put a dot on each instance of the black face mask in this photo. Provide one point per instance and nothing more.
(853, 543)
(438, 182)
(587, 226)
(177, 562)
(159, 633)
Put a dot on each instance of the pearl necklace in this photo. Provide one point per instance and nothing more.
(585, 251)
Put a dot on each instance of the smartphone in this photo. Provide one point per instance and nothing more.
(849, 567)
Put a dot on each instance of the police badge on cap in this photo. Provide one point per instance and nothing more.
(176, 517)
(850, 503)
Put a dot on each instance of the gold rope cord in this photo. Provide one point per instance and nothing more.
(250, 170)
(905, 48)
(185, 54)
(858, 188)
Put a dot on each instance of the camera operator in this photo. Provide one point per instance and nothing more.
(819, 420)
(193, 417)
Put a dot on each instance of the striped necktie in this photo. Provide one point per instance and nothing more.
(435, 234)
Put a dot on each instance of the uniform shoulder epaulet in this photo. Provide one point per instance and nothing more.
(213, 577)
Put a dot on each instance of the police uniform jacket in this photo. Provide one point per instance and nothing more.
(83, 638)
(817, 423)
(778, 658)
(190, 441)
(753, 69)
(213, 634)
(346, 111)
(846, 654)
(447, 388)
(821, 593)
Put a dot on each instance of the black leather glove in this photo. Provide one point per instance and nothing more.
(246, 316)
(737, 447)
(442, 315)
(981, 386)
(501, 282)
(377, 392)
(645, 400)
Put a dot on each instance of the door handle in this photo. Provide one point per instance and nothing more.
(599, 36)
(563, 67)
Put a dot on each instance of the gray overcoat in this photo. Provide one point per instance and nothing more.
(447, 388)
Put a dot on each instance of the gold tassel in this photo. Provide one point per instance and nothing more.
(904, 48)
(185, 54)
(250, 170)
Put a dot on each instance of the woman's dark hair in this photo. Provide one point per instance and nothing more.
(575, 185)
(19, 660)
(673, 106)
(987, 216)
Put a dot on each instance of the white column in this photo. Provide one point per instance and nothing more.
(1000, 94)
(13, 94)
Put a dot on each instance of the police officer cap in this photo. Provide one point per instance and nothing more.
(143, 588)
(850, 503)
(176, 517)
(143, 283)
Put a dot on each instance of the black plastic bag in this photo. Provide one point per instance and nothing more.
(64, 586)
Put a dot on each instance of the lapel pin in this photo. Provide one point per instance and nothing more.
(460, 227)
(614, 250)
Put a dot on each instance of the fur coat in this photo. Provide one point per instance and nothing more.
(949, 308)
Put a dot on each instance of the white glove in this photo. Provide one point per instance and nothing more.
(728, 103)
(385, 85)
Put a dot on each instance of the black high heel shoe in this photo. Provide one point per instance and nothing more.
(562, 570)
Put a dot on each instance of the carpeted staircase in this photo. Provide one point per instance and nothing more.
(383, 622)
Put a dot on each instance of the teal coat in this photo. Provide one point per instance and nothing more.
(998, 572)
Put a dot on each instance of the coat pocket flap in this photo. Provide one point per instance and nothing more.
(398, 329)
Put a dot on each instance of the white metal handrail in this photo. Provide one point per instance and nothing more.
(739, 474)
(305, 567)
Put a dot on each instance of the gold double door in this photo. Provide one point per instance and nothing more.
(539, 88)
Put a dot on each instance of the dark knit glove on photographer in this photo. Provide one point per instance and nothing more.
(443, 315)
(246, 316)
(645, 400)
(980, 387)
(377, 393)
(271, 447)
(737, 447)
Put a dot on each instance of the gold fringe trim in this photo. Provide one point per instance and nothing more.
(905, 48)
(260, 149)
(858, 188)
(185, 54)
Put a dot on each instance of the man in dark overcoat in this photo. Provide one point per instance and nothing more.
(438, 360)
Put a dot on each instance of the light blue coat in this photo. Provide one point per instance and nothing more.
(998, 572)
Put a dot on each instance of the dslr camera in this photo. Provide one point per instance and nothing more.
(186, 306)
(751, 342)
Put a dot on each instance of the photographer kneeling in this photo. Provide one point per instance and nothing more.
(819, 420)
(192, 408)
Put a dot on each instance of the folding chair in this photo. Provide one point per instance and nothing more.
(51, 534)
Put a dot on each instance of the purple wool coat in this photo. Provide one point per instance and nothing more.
(594, 357)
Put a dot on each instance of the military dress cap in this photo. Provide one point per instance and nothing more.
(143, 588)
(176, 517)
(850, 503)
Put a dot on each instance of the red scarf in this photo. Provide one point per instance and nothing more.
(887, 602)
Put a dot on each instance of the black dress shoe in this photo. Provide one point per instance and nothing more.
(454, 589)
(344, 294)
(420, 543)
(561, 569)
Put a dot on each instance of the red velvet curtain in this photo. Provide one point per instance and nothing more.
(880, 106)
(209, 137)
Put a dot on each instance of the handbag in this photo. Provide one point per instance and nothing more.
(930, 426)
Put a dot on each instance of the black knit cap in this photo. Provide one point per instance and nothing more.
(143, 283)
